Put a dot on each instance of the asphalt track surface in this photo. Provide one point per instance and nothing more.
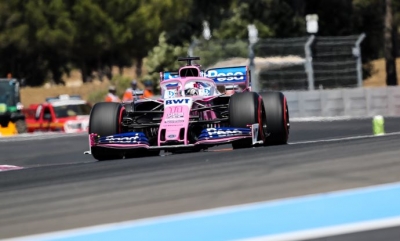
(387, 234)
(62, 189)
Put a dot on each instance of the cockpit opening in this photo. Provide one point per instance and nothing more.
(189, 72)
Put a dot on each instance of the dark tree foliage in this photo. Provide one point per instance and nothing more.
(211, 11)
(43, 39)
(368, 18)
(389, 50)
(335, 16)
(283, 17)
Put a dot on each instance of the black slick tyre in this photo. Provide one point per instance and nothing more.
(105, 119)
(277, 115)
(245, 109)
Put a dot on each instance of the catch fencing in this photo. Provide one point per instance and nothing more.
(302, 63)
(320, 76)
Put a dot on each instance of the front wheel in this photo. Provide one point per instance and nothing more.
(245, 109)
(105, 119)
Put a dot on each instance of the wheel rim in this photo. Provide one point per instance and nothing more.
(264, 122)
(121, 112)
(286, 118)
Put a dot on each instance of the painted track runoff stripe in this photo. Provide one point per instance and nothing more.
(341, 211)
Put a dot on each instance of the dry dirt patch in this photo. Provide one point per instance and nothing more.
(74, 86)
(31, 95)
(378, 77)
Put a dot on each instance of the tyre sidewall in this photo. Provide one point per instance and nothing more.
(245, 109)
(277, 117)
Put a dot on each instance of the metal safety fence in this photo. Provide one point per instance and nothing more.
(303, 63)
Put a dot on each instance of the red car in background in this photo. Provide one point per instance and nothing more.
(69, 114)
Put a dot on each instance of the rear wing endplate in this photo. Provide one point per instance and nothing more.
(168, 75)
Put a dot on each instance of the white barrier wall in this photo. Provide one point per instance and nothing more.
(356, 102)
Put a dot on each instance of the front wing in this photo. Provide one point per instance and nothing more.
(209, 136)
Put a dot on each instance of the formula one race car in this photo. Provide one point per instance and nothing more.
(192, 114)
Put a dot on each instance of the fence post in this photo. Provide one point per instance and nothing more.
(253, 75)
(357, 54)
(253, 38)
(308, 64)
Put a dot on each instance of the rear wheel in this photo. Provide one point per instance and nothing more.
(245, 109)
(277, 113)
(105, 119)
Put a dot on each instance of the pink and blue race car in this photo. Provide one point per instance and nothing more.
(197, 109)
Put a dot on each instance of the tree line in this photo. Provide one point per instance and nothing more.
(41, 40)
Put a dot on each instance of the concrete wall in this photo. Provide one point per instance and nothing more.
(356, 102)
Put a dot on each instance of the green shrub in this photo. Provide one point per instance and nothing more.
(121, 83)
(163, 57)
(97, 96)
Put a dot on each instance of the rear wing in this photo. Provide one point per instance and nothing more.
(238, 75)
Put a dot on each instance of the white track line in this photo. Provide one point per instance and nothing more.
(346, 138)
(333, 118)
(323, 119)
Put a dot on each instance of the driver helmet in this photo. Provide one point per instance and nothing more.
(192, 88)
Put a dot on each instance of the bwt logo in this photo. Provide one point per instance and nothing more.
(226, 76)
(177, 101)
